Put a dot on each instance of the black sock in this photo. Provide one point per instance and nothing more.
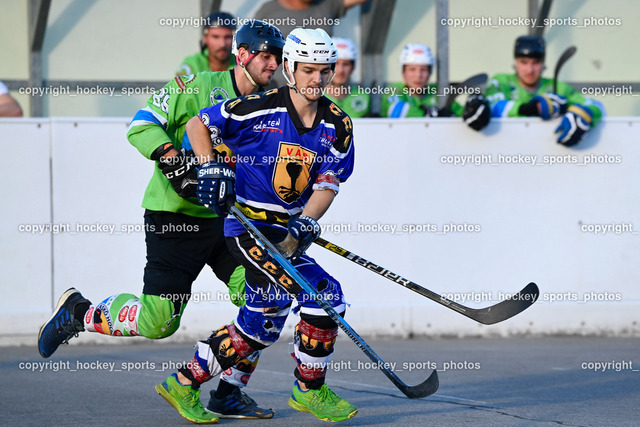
(79, 311)
(224, 389)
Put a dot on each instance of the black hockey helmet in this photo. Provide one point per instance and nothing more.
(258, 36)
(220, 20)
(529, 47)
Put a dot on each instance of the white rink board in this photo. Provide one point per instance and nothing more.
(514, 223)
(25, 246)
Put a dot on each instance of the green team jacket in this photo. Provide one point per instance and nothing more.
(401, 103)
(505, 95)
(164, 119)
(197, 62)
(355, 104)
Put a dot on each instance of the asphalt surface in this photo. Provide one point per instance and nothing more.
(570, 381)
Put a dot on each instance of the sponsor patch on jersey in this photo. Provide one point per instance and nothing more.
(359, 104)
(327, 140)
(272, 126)
(291, 174)
(218, 95)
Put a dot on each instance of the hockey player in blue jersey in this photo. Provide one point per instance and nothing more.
(292, 148)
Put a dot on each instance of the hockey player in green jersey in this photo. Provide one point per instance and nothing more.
(350, 100)
(415, 97)
(182, 236)
(215, 46)
(526, 93)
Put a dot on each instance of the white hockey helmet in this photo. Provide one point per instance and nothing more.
(416, 53)
(308, 46)
(346, 49)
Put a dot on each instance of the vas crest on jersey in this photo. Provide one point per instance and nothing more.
(291, 174)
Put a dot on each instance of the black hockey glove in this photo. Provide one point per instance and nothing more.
(477, 112)
(431, 111)
(305, 230)
(180, 170)
(574, 125)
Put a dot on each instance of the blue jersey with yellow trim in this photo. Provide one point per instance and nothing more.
(278, 159)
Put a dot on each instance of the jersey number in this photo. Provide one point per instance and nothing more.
(161, 100)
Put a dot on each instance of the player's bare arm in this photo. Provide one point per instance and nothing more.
(200, 140)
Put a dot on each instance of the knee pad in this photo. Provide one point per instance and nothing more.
(159, 317)
(312, 348)
(321, 322)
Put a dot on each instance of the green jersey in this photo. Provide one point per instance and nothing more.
(407, 102)
(163, 120)
(506, 95)
(198, 62)
(355, 104)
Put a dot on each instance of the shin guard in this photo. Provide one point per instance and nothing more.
(239, 374)
(312, 349)
(221, 351)
(116, 315)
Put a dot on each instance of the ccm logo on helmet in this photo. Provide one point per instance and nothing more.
(320, 51)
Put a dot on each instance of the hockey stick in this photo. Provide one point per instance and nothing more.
(563, 58)
(472, 82)
(487, 316)
(542, 16)
(428, 387)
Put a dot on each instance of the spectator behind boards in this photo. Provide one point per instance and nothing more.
(291, 14)
(346, 96)
(9, 107)
(526, 93)
(414, 97)
(215, 46)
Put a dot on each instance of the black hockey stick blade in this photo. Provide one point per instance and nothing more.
(472, 82)
(429, 386)
(507, 308)
(488, 316)
(563, 58)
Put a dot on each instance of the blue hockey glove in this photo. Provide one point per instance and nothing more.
(551, 105)
(305, 230)
(216, 186)
(574, 124)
